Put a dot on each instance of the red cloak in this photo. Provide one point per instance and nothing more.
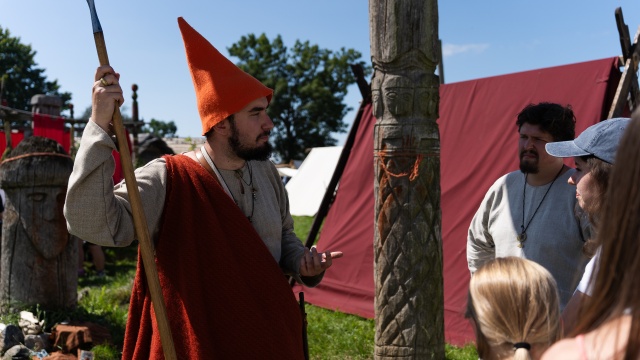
(226, 296)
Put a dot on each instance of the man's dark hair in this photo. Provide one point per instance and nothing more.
(557, 120)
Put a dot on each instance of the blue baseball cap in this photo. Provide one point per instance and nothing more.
(600, 140)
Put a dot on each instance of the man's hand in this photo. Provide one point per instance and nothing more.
(107, 94)
(313, 263)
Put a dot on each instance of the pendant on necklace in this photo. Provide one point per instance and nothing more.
(521, 239)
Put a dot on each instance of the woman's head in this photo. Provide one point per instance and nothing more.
(616, 289)
(591, 179)
(513, 301)
(594, 153)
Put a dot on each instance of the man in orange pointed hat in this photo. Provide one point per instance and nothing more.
(218, 216)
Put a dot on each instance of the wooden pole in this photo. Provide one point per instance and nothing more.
(72, 139)
(627, 92)
(409, 289)
(135, 118)
(139, 218)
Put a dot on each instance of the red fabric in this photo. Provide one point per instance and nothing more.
(118, 175)
(226, 296)
(51, 127)
(478, 145)
(15, 140)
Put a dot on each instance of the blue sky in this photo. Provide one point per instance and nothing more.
(480, 39)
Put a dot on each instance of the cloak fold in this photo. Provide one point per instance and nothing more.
(225, 294)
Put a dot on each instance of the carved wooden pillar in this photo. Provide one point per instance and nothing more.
(38, 262)
(409, 299)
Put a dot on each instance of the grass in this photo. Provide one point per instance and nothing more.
(334, 335)
(105, 300)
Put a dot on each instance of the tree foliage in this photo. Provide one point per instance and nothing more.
(22, 78)
(309, 85)
(162, 129)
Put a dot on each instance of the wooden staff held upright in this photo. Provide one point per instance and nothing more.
(139, 219)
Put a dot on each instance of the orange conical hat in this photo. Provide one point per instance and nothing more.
(221, 87)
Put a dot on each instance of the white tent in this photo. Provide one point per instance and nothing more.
(288, 172)
(307, 187)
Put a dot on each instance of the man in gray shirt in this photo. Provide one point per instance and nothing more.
(532, 213)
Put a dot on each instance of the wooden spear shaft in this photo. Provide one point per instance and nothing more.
(139, 218)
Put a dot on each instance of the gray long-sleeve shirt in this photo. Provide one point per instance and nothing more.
(555, 234)
(100, 213)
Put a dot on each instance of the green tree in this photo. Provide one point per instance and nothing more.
(22, 78)
(162, 129)
(309, 85)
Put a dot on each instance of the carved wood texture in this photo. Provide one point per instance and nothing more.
(409, 300)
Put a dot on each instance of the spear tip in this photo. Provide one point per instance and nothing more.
(94, 17)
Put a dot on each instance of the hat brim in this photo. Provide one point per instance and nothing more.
(564, 149)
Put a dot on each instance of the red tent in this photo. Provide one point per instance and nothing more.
(478, 145)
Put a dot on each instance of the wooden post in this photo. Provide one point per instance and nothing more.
(627, 92)
(46, 104)
(135, 119)
(72, 131)
(409, 301)
(38, 261)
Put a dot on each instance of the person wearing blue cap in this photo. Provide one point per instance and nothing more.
(531, 213)
(609, 323)
(594, 154)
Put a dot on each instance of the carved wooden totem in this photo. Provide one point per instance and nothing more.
(38, 262)
(409, 301)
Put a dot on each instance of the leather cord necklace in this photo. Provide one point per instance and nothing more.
(203, 157)
(522, 237)
(240, 176)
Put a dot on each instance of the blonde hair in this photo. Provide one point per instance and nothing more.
(511, 301)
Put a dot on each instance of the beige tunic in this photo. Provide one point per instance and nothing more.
(100, 213)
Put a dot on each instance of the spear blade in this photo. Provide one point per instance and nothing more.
(97, 34)
(94, 17)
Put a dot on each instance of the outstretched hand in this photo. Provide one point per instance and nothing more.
(313, 263)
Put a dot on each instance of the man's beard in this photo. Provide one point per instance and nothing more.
(260, 153)
(528, 166)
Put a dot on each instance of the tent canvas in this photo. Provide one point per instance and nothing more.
(478, 140)
(307, 187)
